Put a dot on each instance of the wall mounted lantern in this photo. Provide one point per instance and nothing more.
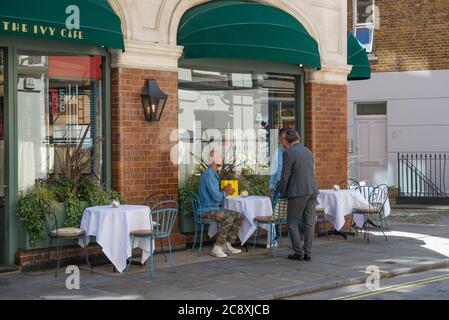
(153, 101)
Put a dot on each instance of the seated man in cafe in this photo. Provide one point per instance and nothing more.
(211, 207)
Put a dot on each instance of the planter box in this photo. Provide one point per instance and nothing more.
(186, 222)
(45, 241)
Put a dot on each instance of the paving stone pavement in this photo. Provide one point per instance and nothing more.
(335, 262)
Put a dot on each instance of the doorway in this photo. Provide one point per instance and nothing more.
(371, 146)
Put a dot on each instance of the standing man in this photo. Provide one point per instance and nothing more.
(276, 166)
(298, 185)
(211, 207)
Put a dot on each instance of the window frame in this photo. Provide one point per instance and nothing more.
(15, 235)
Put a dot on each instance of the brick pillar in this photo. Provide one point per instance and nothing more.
(326, 131)
(141, 161)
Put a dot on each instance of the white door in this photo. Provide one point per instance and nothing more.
(372, 149)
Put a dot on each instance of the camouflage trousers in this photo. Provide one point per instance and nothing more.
(230, 222)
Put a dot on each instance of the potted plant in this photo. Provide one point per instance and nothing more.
(68, 192)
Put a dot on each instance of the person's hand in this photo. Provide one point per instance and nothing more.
(228, 189)
(271, 192)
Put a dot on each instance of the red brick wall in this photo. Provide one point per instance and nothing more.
(326, 131)
(140, 149)
(412, 36)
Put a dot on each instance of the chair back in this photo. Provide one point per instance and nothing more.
(153, 199)
(195, 204)
(164, 218)
(365, 191)
(280, 211)
(48, 218)
(349, 184)
(378, 197)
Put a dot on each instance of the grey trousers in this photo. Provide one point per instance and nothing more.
(302, 209)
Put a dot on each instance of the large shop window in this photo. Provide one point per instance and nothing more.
(59, 100)
(238, 113)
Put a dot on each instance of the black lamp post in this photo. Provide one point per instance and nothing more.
(153, 101)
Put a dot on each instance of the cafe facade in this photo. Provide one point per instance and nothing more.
(231, 71)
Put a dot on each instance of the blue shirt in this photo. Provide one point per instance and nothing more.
(211, 197)
(276, 168)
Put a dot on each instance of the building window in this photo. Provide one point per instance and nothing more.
(59, 100)
(365, 17)
(238, 113)
(372, 109)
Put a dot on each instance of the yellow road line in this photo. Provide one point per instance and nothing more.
(392, 288)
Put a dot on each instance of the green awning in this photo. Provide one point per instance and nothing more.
(358, 58)
(246, 30)
(46, 19)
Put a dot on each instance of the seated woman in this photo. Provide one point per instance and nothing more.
(211, 205)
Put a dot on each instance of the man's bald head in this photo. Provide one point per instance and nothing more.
(215, 159)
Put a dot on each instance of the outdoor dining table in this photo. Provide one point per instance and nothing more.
(339, 203)
(112, 226)
(251, 207)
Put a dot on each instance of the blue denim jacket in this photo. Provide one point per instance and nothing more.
(211, 197)
(276, 168)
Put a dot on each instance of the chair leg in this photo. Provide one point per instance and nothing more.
(382, 227)
(201, 240)
(132, 247)
(194, 239)
(272, 233)
(58, 263)
(162, 249)
(255, 237)
(87, 255)
(49, 253)
(151, 258)
(171, 255)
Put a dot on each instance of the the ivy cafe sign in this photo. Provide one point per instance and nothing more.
(71, 29)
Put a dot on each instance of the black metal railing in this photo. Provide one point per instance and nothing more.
(422, 177)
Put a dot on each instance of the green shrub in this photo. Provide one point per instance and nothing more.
(61, 190)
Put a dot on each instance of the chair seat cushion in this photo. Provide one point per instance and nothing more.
(366, 210)
(67, 232)
(264, 219)
(147, 233)
(319, 209)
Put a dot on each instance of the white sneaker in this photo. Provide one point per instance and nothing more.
(230, 249)
(217, 251)
(276, 244)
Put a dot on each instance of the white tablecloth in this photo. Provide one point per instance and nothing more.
(338, 204)
(251, 207)
(112, 227)
(359, 218)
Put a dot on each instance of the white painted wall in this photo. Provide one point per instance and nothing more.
(417, 111)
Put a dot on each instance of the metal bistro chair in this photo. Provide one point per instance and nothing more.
(321, 219)
(377, 199)
(278, 219)
(60, 234)
(199, 221)
(157, 200)
(163, 218)
(351, 184)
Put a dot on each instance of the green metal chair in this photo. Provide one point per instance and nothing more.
(200, 222)
(278, 219)
(163, 218)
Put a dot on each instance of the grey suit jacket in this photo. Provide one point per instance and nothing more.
(298, 178)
